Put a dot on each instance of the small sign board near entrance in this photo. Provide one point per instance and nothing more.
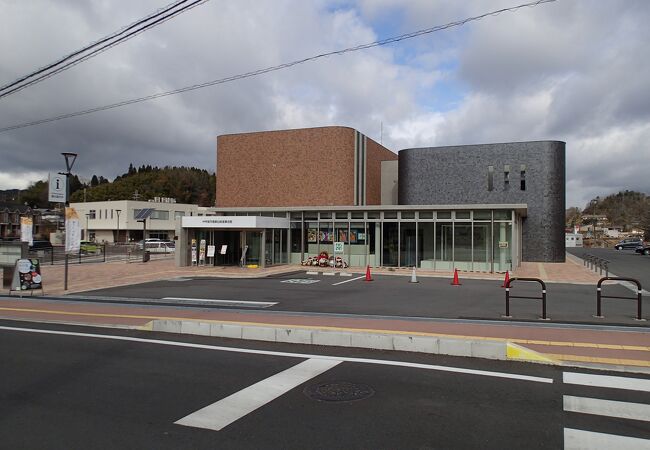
(27, 275)
(338, 247)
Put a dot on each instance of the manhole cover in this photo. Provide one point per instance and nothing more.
(339, 391)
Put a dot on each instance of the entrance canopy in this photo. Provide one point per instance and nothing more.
(236, 222)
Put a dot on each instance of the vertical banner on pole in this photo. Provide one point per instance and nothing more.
(72, 230)
(26, 230)
(194, 260)
(202, 252)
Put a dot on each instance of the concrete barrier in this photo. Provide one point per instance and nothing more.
(478, 348)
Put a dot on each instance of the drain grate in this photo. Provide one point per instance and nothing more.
(339, 391)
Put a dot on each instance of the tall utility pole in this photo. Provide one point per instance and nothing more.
(70, 158)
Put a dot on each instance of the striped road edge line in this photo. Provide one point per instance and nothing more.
(581, 440)
(222, 413)
(381, 362)
(330, 328)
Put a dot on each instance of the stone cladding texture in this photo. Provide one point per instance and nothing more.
(459, 175)
(305, 167)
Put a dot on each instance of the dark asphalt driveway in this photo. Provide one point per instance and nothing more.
(396, 296)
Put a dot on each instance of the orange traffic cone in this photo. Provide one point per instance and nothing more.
(368, 277)
(455, 282)
(506, 280)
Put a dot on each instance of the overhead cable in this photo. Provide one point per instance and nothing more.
(100, 46)
(275, 68)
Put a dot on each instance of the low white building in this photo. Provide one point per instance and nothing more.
(573, 240)
(115, 221)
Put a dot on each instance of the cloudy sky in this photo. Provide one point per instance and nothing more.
(572, 70)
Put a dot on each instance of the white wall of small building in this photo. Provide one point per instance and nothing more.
(105, 221)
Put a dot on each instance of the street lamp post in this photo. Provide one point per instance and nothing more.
(70, 159)
(118, 211)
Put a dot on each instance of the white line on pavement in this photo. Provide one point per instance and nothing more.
(512, 376)
(606, 381)
(252, 304)
(582, 440)
(347, 281)
(226, 411)
(609, 408)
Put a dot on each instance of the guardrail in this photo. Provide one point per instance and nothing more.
(600, 296)
(596, 263)
(542, 298)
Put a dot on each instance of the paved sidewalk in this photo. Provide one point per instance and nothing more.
(624, 347)
(611, 346)
(90, 276)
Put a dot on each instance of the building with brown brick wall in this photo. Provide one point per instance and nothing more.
(331, 196)
(326, 166)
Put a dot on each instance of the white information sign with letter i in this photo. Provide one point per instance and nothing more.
(57, 188)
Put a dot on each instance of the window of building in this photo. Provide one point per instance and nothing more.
(157, 214)
(390, 214)
(325, 215)
(444, 215)
(111, 214)
(341, 215)
(91, 214)
(523, 177)
(178, 214)
(506, 177)
(100, 213)
(462, 215)
(482, 215)
(296, 215)
(408, 214)
(373, 214)
(490, 180)
(426, 215)
(357, 214)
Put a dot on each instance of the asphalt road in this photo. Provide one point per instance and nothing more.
(390, 296)
(62, 391)
(623, 263)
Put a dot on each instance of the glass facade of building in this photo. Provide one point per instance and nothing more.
(486, 240)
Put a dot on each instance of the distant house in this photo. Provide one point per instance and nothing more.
(573, 240)
(10, 220)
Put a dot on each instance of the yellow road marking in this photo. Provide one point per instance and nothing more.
(318, 327)
(519, 353)
(597, 360)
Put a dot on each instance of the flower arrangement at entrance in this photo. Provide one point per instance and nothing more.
(324, 260)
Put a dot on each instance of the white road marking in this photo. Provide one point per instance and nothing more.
(226, 411)
(606, 381)
(609, 408)
(383, 362)
(347, 281)
(244, 303)
(587, 440)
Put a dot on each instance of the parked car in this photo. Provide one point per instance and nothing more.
(160, 247)
(147, 241)
(631, 243)
(86, 247)
(41, 245)
(643, 249)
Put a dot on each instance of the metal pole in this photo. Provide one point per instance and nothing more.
(598, 300)
(638, 304)
(508, 301)
(65, 278)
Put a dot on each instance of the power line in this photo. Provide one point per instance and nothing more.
(254, 73)
(78, 56)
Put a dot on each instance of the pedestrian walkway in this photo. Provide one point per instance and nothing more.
(90, 276)
(613, 346)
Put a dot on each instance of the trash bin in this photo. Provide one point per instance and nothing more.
(146, 256)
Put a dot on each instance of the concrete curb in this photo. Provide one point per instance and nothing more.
(437, 345)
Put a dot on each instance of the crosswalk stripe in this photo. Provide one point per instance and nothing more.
(606, 381)
(226, 411)
(588, 440)
(610, 408)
